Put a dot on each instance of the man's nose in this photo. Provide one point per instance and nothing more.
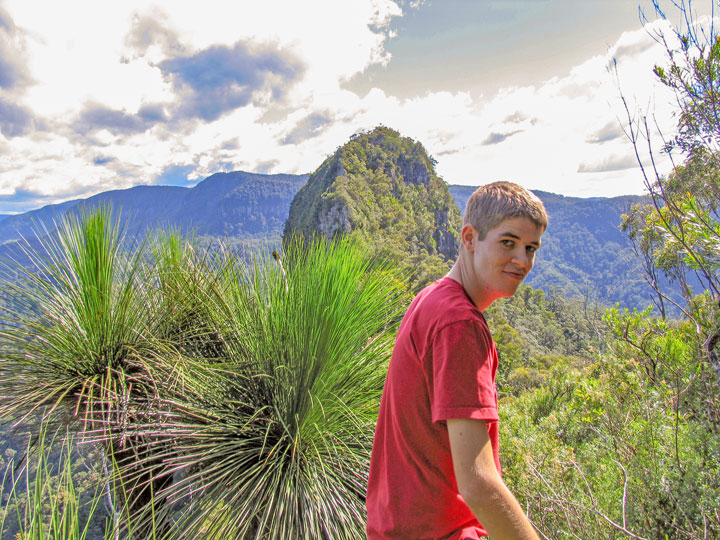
(522, 259)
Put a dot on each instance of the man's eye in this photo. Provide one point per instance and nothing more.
(508, 243)
(531, 249)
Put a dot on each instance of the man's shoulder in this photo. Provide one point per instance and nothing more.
(446, 302)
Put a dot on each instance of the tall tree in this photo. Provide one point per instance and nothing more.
(679, 232)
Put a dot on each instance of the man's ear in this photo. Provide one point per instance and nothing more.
(467, 237)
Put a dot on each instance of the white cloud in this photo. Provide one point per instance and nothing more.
(107, 63)
(551, 148)
(106, 59)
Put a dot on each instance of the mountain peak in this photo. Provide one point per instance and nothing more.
(382, 188)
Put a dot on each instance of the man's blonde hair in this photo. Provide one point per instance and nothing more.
(490, 204)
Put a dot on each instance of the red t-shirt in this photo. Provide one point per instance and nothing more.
(443, 367)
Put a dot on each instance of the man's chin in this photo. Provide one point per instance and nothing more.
(512, 290)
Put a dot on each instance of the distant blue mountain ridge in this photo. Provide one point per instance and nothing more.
(584, 252)
(235, 204)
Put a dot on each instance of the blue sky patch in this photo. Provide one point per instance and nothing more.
(175, 175)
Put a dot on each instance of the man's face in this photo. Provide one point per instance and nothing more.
(504, 257)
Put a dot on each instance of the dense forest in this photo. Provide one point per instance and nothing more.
(157, 388)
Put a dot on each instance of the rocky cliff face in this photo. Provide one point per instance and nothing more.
(334, 221)
(383, 189)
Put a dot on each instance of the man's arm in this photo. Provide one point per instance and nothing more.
(480, 484)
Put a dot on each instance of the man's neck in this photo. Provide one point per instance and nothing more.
(462, 273)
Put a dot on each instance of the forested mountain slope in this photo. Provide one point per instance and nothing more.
(237, 204)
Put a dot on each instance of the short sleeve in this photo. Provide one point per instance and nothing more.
(463, 367)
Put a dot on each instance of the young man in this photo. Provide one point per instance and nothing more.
(435, 470)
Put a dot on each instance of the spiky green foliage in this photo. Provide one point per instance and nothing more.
(245, 393)
(72, 346)
(183, 277)
(77, 317)
(272, 439)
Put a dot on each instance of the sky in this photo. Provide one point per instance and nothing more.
(96, 96)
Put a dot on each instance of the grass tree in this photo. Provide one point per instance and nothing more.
(184, 278)
(272, 438)
(75, 318)
(75, 323)
(246, 394)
